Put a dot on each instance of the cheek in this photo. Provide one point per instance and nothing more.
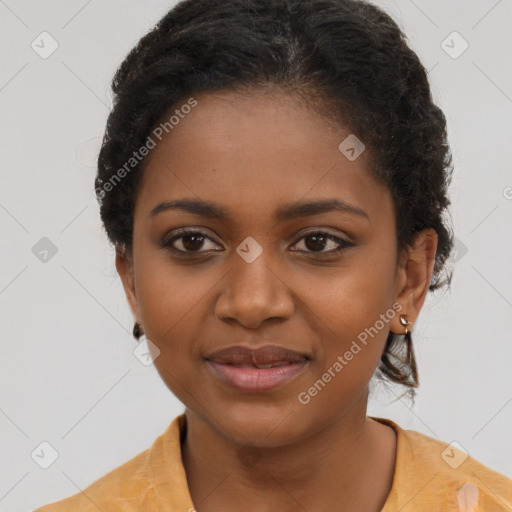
(355, 309)
(173, 302)
(173, 305)
(167, 291)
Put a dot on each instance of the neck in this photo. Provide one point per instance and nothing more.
(348, 464)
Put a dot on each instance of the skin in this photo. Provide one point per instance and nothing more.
(252, 154)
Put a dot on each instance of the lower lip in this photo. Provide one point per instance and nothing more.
(255, 380)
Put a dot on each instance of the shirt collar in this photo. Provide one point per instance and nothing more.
(169, 481)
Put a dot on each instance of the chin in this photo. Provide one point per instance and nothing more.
(265, 426)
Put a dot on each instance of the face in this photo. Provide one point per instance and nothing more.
(263, 268)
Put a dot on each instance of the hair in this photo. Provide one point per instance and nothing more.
(347, 58)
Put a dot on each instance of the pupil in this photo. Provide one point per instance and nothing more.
(196, 239)
(318, 242)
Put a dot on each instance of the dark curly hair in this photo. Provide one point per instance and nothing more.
(346, 58)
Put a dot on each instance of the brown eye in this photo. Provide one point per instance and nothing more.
(317, 241)
(188, 241)
(192, 242)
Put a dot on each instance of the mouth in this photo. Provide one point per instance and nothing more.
(257, 370)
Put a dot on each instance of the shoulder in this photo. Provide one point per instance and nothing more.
(133, 485)
(453, 459)
(127, 482)
(444, 474)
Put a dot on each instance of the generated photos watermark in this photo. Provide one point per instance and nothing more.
(304, 397)
(144, 150)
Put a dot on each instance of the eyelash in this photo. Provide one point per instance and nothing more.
(167, 243)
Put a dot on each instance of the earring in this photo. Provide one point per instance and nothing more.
(137, 333)
(405, 323)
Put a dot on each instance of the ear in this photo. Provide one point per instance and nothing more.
(124, 266)
(414, 273)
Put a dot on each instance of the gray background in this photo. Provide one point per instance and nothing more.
(68, 374)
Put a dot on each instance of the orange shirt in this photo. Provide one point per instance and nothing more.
(430, 476)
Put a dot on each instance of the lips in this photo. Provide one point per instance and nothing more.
(267, 356)
(258, 370)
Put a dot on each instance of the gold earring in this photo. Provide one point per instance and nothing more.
(405, 323)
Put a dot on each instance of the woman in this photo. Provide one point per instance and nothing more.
(274, 179)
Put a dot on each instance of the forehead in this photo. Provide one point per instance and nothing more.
(230, 122)
(253, 152)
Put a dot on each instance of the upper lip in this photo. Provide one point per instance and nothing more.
(266, 354)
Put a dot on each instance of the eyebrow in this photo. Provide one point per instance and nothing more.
(285, 212)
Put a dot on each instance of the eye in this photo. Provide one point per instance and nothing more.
(193, 241)
(188, 241)
(317, 241)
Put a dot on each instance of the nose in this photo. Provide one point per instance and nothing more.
(253, 293)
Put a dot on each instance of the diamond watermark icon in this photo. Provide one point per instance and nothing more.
(44, 250)
(44, 455)
(146, 352)
(351, 147)
(454, 45)
(454, 455)
(459, 250)
(249, 455)
(44, 45)
(249, 249)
